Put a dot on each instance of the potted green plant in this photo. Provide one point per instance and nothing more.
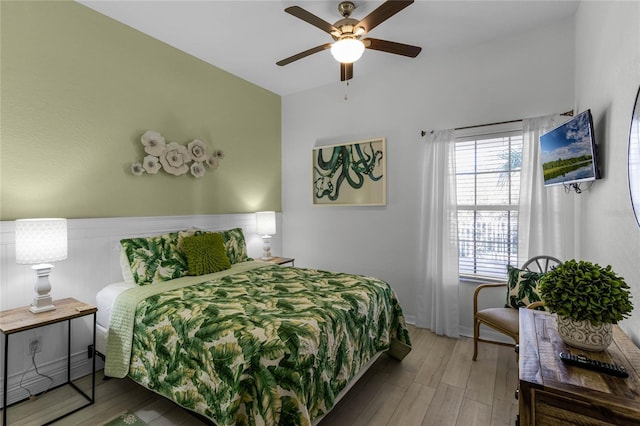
(587, 299)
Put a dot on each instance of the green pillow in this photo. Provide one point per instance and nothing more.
(156, 258)
(522, 288)
(205, 253)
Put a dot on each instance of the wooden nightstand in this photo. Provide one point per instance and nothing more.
(21, 319)
(552, 392)
(280, 260)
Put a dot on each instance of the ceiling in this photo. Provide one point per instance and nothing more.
(246, 38)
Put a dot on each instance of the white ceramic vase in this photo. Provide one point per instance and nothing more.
(584, 335)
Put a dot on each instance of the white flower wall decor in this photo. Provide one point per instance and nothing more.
(174, 158)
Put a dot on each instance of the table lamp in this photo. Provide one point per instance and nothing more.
(266, 227)
(38, 242)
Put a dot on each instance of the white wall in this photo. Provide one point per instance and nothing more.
(526, 75)
(607, 80)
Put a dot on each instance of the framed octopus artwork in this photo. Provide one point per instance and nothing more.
(350, 174)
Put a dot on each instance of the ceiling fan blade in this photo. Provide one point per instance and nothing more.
(392, 47)
(310, 18)
(346, 71)
(385, 11)
(304, 54)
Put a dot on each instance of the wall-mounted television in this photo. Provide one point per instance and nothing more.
(568, 153)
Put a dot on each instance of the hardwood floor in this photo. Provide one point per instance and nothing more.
(436, 384)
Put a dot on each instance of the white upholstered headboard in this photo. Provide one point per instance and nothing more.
(94, 252)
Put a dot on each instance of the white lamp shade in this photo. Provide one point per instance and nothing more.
(266, 223)
(40, 240)
(347, 50)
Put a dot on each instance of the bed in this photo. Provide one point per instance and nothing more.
(253, 343)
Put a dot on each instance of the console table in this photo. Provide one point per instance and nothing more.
(21, 319)
(553, 393)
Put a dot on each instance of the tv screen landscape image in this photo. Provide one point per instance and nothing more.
(568, 152)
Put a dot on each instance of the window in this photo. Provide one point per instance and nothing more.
(488, 184)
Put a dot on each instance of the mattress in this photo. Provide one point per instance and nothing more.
(105, 299)
(104, 302)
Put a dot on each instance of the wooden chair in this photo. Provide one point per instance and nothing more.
(505, 319)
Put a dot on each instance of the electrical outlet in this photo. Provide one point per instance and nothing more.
(35, 345)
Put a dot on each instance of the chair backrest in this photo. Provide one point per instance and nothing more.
(541, 264)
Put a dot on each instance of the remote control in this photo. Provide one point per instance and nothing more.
(603, 367)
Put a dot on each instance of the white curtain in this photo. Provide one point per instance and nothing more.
(545, 214)
(437, 295)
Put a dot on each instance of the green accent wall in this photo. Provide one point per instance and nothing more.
(78, 90)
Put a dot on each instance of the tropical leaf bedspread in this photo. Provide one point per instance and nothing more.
(264, 345)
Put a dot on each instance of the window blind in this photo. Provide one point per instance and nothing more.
(488, 182)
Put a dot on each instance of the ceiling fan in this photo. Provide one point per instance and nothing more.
(347, 32)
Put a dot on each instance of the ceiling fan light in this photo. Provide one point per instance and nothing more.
(347, 50)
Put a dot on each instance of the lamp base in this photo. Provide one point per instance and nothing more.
(42, 305)
(266, 247)
(42, 299)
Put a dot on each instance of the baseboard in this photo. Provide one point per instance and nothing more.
(410, 319)
(486, 333)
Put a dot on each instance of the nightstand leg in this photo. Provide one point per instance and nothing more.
(93, 366)
(69, 351)
(4, 379)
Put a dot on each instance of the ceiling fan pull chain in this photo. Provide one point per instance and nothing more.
(346, 86)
